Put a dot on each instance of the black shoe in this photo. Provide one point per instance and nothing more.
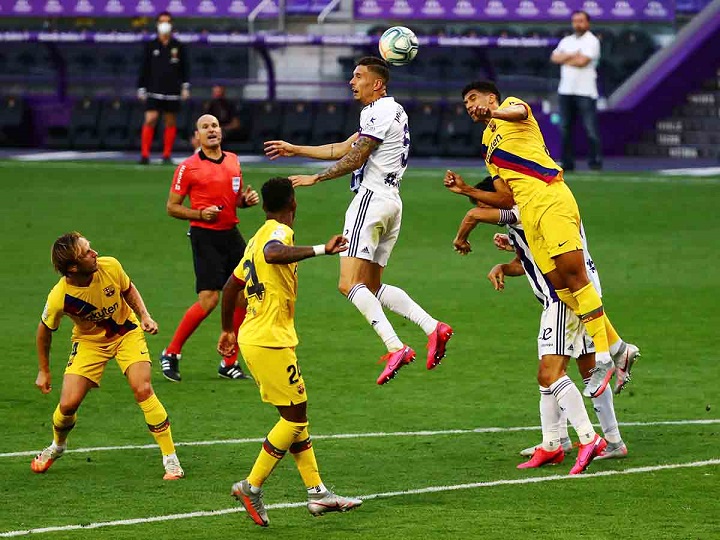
(144, 161)
(167, 161)
(231, 372)
(169, 364)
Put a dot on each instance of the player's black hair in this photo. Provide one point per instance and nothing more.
(377, 65)
(277, 194)
(486, 184)
(581, 12)
(164, 14)
(484, 87)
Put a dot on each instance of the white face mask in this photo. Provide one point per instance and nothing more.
(164, 28)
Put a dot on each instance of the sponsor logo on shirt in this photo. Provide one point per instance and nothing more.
(279, 234)
(178, 186)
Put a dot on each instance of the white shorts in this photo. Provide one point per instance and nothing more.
(372, 224)
(562, 333)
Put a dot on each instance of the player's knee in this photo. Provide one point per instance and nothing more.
(142, 390)
(549, 373)
(69, 407)
(209, 300)
(344, 287)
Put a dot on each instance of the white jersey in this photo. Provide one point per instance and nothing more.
(385, 121)
(579, 81)
(541, 286)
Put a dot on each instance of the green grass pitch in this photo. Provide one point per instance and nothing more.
(654, 240)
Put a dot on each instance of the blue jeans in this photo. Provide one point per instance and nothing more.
(586, 108)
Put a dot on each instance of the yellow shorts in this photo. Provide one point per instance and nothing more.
(277, 374)
(88, 358)
(551, 220)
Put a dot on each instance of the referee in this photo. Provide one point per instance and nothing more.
(213, 181)
(163, 83)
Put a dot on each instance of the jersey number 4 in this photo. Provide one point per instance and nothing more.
(253, 287)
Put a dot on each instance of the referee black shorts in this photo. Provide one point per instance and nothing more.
(162, 105)
(215, 256)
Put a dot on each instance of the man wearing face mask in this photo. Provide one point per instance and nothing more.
(162, 85)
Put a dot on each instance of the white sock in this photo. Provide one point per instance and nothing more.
(398, 301)
(317, 490)
(562, 428)
(370, 306)
(569, 398)
(605, 411)
(549, 420)
(617, 347)
(255, 489)
(604, 358)
(169, 457)
(57, 447)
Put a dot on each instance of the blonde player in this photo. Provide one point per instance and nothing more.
(97, 294)
(268, 276)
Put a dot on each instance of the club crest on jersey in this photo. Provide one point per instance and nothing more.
(236, 183)
(109, 291)
(492, 126)
(301, 389)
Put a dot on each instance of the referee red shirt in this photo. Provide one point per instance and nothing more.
(211, 182)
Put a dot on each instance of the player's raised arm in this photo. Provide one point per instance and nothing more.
(498, 199)
(497, 274)
(43, 340)
(353, 160)
(512, 113)
(279, 253)
(277, 149)
(469, 222)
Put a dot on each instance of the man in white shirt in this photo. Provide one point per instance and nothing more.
(578, 55)
(377, 156)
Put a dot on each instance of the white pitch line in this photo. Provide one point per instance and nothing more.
(387, 494)
(371, 435)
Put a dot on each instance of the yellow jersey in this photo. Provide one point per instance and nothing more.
(99, 311)
(270, 289)
(516, 153)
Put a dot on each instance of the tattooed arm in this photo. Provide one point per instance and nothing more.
(354, 159)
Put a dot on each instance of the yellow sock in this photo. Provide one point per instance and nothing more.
(593, 316)
(62, 425)
(273, 450)
(304, 455)
(612, 335)
(159, 424)
(567, 298)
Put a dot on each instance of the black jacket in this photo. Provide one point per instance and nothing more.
(165, 69)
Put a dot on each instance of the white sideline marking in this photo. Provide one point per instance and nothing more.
(387, 494)
(699, 171)
(359, 436)
(66, 155)
(260, 165)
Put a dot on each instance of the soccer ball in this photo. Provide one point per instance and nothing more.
(398, 45)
